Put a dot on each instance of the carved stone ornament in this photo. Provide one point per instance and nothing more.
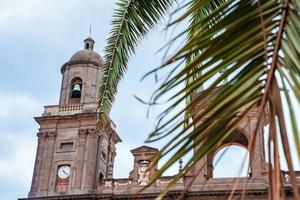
(143, 173)
(163, 182)
(41, 134)
(108, 184)
(122, 185)
(82, 132)
(180, 181)
(91, 131)
(51, 134)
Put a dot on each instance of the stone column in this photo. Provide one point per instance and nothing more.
(90, 160)
(257, 162)
(78, 164)
(37, 165)
(46, 167)
(200, 170)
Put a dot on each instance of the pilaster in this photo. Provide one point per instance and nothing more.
(38, 162)
(90, 160)
(46, 165)
(79, 162)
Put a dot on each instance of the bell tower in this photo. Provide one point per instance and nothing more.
(80, 76)
(74, 155)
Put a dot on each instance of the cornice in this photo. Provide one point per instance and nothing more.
(74, 62)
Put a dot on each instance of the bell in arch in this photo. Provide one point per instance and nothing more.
(76, 91)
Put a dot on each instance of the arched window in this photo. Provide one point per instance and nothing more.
(227, 159)
(76, 89)
(231, 161)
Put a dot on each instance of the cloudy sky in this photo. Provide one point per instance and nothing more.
(37, 37)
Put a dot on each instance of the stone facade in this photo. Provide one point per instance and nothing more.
(71, 142)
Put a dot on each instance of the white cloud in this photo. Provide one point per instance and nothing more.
(17, 167)
(18, 143)
(5, 14)
(18, 106)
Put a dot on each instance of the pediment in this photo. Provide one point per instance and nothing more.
(144, 148)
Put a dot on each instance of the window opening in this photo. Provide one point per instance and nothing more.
(76, 89)
(231, 161)
(66, 146)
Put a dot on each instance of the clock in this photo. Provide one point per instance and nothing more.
(64, 171)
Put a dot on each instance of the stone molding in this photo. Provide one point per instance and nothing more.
(84, 132)
(41, 135)
(51, 134)
(46, 134)
(74, 62)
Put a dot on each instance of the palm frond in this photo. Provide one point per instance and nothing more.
(249, 41)
(241, 49)
(132, 21)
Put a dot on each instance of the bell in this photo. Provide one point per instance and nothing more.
(76, 92)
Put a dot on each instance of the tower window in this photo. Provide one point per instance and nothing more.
(76, 88)
(67, 146)
(87, 46)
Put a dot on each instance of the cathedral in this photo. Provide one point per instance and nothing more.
(75, 157)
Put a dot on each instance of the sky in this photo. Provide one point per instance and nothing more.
(36, 38)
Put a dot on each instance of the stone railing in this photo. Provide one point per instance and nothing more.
(117, 183)
(69, 109)
(129, 183)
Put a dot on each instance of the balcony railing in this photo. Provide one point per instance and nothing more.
(69, 109)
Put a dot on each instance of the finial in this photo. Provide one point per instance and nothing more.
(90, 31)
(180, 164)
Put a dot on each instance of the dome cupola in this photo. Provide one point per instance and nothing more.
(85, 56)
(89, 43)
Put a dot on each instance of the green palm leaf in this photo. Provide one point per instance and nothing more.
(132, 21)
(246, 42)
(241, 49)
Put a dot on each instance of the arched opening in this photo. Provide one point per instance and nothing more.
(231, 161)
(101, 178)
(227, 159)
(76, 89)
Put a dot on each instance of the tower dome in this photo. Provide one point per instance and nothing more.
(85, 56)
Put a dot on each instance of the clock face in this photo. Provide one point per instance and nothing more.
(64, 171)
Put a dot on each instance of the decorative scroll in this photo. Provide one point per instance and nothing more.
(91, 131)
(180, 181)
(108, 184)
(82, 132)
(41, 135)
(287, 178)
(161, 182)
(46, 134)
(121, 185)
(51, 134)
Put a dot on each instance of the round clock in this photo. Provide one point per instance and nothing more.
(64, 171)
